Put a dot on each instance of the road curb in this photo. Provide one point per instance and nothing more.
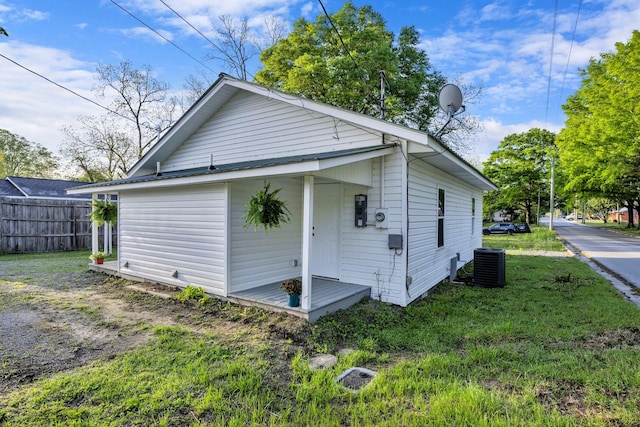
(629, 291)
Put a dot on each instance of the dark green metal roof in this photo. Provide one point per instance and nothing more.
(231, 167)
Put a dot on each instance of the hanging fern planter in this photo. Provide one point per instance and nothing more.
(266, 209)
(104, 212)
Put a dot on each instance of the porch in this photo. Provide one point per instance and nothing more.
(327, 295)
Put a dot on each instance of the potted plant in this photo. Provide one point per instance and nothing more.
(103, 212)
(293, 287)
(97, 257)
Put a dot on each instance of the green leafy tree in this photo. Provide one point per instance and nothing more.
(20, 157)
(315, 62)
(338, 60)
(600, 144)
(520, 167)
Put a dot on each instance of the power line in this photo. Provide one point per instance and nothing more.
(66, 88)
(163, 37)
(573, 37)
(190, 24)
(344, 45)
(553, 39)
(215, 46)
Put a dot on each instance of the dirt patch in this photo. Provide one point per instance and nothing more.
(41, 341)
(615, 339)
(54, 322)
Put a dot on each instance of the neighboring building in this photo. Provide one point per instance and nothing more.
(40, 188)
(377, 209)
(37, 215)
(622, 215)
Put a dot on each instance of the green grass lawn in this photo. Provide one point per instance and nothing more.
(540, 238)
(557, 346)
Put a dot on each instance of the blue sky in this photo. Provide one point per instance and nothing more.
(503, 46)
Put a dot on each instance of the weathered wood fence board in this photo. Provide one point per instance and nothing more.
(44, 225)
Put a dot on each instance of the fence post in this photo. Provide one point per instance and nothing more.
(2, 249)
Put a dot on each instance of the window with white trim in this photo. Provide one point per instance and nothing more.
(441, 217)
(473, 216)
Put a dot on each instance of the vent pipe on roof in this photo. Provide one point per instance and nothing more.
(211, 166)
(158, 169)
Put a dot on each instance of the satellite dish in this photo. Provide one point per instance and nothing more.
(450, 99)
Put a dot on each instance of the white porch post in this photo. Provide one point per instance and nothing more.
(94, 229)
(105, 236)
(307, 235)
(109, 233)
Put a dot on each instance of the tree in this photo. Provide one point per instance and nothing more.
(99, 149)
(338, 59)
(19, 157)
(106, 147)
(139, 98)
(196, 86)
(599, 207)
(236, 47)
(600, 144)
(520, 168)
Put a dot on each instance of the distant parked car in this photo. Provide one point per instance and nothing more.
(569, 217)
(500, 228)
(522, 227)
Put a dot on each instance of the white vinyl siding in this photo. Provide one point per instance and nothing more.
(258, 258)
(366, 257)
(428, 264)
(354, 173)
(176, 229)
(251, 127)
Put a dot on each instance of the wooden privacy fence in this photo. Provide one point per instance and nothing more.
(45, 225)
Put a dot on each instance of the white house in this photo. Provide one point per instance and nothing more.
(377, 209)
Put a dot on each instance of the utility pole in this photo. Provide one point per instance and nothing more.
(552, 201)
(383, 109)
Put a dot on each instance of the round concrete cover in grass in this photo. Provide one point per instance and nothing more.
(353, 379)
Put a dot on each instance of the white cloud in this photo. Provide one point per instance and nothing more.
(495, 131)
(16, 14)
(147, 34)
(37, 109)
(35, 15)
(307, 10)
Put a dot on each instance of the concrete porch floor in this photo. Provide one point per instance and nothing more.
(327, 295)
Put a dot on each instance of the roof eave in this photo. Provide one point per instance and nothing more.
(294, 168)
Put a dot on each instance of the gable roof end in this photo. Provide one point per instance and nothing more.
(226, 87)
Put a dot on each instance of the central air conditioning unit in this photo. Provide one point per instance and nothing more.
(489, 267)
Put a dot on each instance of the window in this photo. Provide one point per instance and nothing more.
(440, 217)
(473, 216)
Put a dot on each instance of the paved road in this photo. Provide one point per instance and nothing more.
(617, 252)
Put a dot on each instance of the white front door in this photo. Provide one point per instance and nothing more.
(325, 258)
